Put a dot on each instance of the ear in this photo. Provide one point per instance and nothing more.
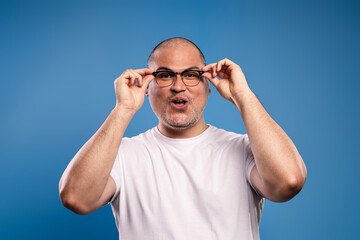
(147, 92)
(208, 84)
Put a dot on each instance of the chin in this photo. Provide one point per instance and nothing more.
(180, 126)
(180, 123)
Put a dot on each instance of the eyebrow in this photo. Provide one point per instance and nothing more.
(168, 69)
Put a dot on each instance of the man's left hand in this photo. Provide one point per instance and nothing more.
(232, 84)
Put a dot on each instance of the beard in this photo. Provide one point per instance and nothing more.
(181, 119)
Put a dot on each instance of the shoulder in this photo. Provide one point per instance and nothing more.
(140, 139)
(222, 136)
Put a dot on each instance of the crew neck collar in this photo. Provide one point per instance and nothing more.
(204, 133)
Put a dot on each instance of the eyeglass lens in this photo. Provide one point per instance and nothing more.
(190, 78)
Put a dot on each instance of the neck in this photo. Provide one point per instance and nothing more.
(189, 132)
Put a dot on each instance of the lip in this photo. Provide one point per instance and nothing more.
(179, 106)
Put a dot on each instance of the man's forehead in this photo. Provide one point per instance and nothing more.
(177, 58)
(177, 68)
(177, 49)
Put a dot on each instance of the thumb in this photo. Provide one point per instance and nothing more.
(214, 81)
(146, 80)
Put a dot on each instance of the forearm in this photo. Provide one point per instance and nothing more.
(280, 171)
(86, 175)
(277, 160)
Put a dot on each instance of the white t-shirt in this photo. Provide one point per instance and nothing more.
(185, 189)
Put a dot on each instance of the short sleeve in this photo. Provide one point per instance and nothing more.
(249, 161)
(115, 174)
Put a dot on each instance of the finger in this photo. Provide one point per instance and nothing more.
(144, 71)
(207, 75)
(224, 68)
(214, 80)
(138, 78)
(222, 75)
(222, 64)
(210, 68)
(219, 65)
(140, 82)
(124, 77)
(207, 67)
(213, 68)
(132, 80)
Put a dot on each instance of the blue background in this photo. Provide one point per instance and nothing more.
(59, 60)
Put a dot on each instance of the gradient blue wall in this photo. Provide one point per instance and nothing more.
(59, 60)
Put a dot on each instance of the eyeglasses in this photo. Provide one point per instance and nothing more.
(190, 78)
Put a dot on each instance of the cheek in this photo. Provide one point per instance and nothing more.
(200, 100)
(155, 96)
(204, 94)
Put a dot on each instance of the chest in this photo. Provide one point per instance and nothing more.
(185, 174)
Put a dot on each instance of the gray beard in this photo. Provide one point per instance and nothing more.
(194, 117)
(175, 125)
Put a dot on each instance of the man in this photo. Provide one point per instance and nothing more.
(183, 179)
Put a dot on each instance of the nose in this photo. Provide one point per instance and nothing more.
(178, 84)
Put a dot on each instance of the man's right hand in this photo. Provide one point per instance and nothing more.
(86, 184)
(130, 88)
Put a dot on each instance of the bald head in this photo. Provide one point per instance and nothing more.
(173, 43)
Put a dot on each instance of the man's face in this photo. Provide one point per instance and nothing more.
(166, 101)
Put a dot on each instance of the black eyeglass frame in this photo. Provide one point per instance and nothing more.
(181, 74)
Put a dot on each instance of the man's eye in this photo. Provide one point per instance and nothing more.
(191, 75)
(164, 75)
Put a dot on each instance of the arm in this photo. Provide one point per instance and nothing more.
(279, 173)
(86, 184)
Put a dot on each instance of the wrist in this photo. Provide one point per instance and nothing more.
(243, 98)
(243, 95)
(123, 111)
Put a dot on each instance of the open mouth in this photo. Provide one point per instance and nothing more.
(179, 102)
